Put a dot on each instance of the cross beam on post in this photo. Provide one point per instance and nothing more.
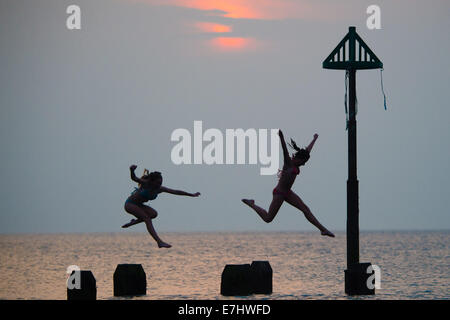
(352, 54)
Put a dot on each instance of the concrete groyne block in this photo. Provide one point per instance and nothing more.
(236, 280)
(130, 280)
(262, 277)
(356, 279)
(246, 279)
(81, 285)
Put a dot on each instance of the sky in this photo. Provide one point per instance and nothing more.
(78, 107)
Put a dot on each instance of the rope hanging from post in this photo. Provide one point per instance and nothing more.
(345, 99)
(382, 88)
(356, 97)
(347, 73)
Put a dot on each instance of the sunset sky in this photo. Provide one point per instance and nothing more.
(78, 107)
(226, 34)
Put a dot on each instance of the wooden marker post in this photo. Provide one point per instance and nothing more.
(352, 54)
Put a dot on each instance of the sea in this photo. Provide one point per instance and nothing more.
(412, 264)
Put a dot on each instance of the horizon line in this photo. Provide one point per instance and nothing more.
(221, 231)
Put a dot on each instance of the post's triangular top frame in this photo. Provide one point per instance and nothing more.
(345, 56)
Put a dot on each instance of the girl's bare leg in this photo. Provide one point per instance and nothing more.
(153, 214)
(146, 214)
(275, 205)
(294, 200)
(132, 223)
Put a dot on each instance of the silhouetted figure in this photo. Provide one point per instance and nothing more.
(283, 192)
(150, 185)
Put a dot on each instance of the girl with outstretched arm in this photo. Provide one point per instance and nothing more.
(283, 192)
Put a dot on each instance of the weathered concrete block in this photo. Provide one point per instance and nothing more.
(82, 286)
(262, 277)
(356, 280)
(130, 280)
(236, 280)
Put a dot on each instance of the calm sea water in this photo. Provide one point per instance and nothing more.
(414, 265)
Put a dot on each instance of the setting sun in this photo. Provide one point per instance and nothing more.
(231, 44)
(210, 27)
(231, 8)
(230, 11)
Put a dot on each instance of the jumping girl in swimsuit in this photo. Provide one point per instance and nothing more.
(150, 185)
(283, 192)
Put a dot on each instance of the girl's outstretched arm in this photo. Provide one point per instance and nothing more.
(133, 176)
(179, 192)
(309, 148)
(283, 145)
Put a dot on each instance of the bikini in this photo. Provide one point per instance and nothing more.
(280, 192)
(145, 194)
